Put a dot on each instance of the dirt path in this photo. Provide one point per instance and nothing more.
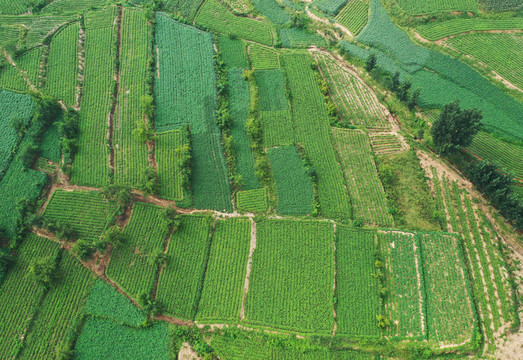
(20, 71)
(249, 267)
(81, 65)
(418, 281)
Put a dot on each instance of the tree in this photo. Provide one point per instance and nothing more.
(149, 182)
(455, 128)
(114, 237)
(413, 101)
(147, 105)
(6, 260)
(42, 271)
(122, 194)
(395, 81)
(143, 132)
(19, 125)
(370, 64)
(403, 90)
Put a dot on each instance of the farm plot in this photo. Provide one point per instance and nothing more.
(19, 297)
(239, 7)
(186, 8)
(383, 143)
(170, 177)
(298, 38)
(62, 64)
(13, 7)
(271, 90)
(192, 83)
(105, 302)
(507, 60)
(27, 63)
(498, 152)
(440, 29)
(414, 7)
(239, 97)
(501, 5)
(356, 103)
(185, 84)
(88, 213)
(354, 15)
(312, 130)
(487, 266)
(59, 311)
(215, 16)
(91, 165)
(369, 202)
(132, 264)
(13, 107)
(50, 146)
(331, 7)
(222, 291)
(446, 282)
(130, 154)
(104, 339)
(272, 10)
(263, 58)
(61, 6)
(277, 128)
(293, 185)
(406, 300)
(181, 280)
(358, 302)
(252, 200)
(293, 290)
(233, 52)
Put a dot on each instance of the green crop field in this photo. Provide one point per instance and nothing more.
(272, 10)
(293, 185)
(91, 165)
(298, 281)
(271, 90)
(252, 200)
(59, 310)
(12, 106)
(239, 96)
(357, 292)
(233, 52)
(498, 152)
(507, 58)
(236, 179)
(222, 292)
(131, 265)
(369, 202)
(169, 176)
(263, 58)
(439, 30)
(88, 213)
(277, 128)
(356, 103)
(181, 280)
(102, 338)
(20, 296)
(426, 7)
(130, 154)
(216, 17)
(354, 15)
(406, 302)
(311, 124)
(298, 38)
(62, 64)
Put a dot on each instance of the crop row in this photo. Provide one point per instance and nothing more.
(311, 124)
(62, 64)
(222, 291)
(252, 200)
(88, 213)
(132, 264)
(277, 128)
(91, 165)
(272, 10)
(357, 104)
(233, 52)
(170, 176)
(130, 154)
(415, 7)
(263, 58)
(215, 16)
(354, 15)
(369, 202)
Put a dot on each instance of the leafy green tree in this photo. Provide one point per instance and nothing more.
(455, 128)
(42, 271)
(413, 100)
(395, 81)
(403, 90)
(122, 194)
(114, 236)
(143, 132)
(147, 105)
(370, 63)
(149, 182)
